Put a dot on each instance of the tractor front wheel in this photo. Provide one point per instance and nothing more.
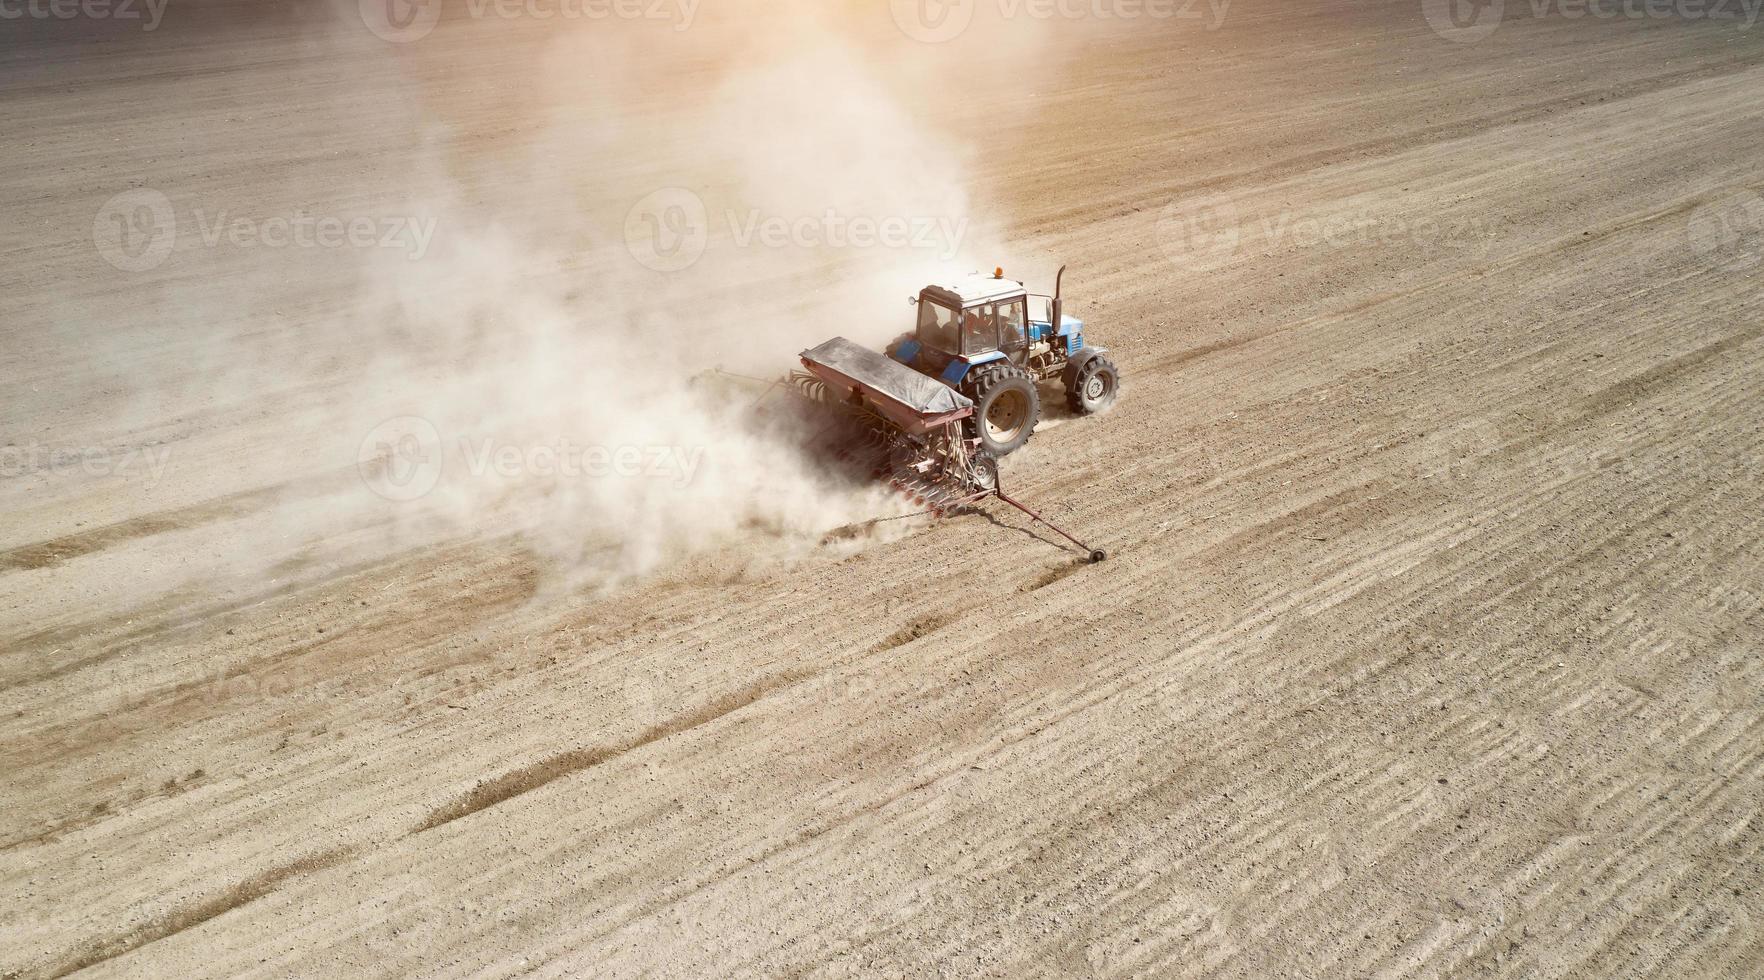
(1006, 407)
(1093, 387)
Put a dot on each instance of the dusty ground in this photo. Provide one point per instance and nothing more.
(1429, 644)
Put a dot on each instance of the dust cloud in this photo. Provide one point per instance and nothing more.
(531, 281)
(741, 198)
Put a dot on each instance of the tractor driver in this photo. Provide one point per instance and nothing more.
(977, 333)
(1010, 326)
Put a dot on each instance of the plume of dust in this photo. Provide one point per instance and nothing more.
(510, 344)
(526, 323)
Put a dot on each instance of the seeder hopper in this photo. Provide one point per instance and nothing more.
(900, 424)
(910, 429)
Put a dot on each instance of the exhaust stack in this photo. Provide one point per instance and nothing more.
(1054, 313)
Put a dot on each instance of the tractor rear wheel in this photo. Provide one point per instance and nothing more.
(1006, 407)
(1093, 387)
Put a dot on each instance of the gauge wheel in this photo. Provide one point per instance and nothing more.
(983, 473)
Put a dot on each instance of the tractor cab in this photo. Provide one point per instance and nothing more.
(994, 341)
(982, 319)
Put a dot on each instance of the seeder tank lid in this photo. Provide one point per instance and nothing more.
(924, 395)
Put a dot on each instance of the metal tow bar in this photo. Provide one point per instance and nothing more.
(1096, 554)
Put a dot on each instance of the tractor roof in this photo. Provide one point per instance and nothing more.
(974, 289)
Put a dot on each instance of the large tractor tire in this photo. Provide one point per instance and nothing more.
(1092, 386)
(1006, 407)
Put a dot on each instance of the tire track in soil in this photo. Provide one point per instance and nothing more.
(195, 914)
(531, 777)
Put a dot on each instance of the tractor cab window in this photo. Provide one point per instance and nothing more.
(1011, 328)
(979, 330)
(939, 327)
(1041, 309)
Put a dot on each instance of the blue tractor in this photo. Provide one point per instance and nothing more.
(994, 341)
